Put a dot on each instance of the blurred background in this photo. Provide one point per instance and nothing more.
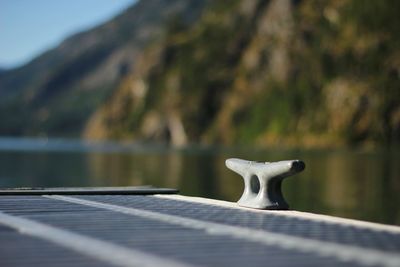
(113, 93)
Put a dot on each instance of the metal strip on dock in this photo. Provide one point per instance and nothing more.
(123, 190)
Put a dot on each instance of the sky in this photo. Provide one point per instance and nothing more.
(30, 27)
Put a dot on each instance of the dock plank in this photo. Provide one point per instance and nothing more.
(190, 233)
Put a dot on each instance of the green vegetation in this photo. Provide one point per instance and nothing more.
(315, 73)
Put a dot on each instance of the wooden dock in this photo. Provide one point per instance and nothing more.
(172, 230)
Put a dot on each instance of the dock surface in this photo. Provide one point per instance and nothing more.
(174, 230)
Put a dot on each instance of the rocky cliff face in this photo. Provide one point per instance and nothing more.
(269, 72)
(235, 72)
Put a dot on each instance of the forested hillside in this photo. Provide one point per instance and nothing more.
(312, 73)
(280, 72)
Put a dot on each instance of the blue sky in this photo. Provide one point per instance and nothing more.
(30, 27)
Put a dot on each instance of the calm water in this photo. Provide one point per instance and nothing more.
(360, 185)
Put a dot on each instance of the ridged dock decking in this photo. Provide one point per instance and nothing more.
(174, 230)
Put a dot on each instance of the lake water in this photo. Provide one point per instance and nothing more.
(352, 184)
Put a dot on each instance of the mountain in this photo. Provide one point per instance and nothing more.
(273, 72)
(278, 72)
(56, 92)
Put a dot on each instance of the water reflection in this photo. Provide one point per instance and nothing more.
(344, 183)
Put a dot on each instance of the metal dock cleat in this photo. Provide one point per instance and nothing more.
(263, 180)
